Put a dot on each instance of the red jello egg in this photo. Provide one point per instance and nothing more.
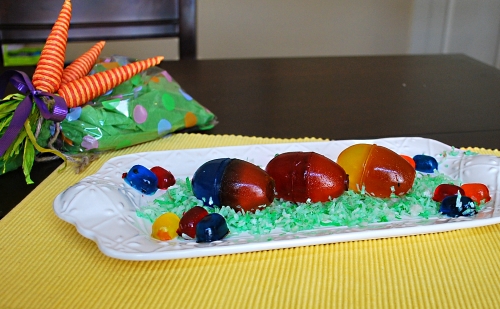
(165, 178)
(477, 192)
(300, 176)
(189, 220)
(445, 190)
(378, 169)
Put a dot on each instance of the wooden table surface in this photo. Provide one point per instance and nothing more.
(451, 98)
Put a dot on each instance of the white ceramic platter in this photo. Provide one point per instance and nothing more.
(103, 207)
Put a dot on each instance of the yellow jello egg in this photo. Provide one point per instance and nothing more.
(377, 169)
(165, 226)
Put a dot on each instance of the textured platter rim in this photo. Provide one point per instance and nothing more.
(66, 208)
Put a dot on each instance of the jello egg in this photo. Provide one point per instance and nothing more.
(378, 169)
(165, 178)
(444, 190)
(187, 225)
(478, 192)
(165, 226)
(425, 163)
(233, 182)
(211, 228)
(142, 179)
(453, 207)
(302, 176)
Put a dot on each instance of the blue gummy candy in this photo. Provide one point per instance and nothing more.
(425, 164)
(211, 228)
(207, 181)
(449, 207)
(142, 179)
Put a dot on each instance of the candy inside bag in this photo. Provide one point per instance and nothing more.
(148, 106)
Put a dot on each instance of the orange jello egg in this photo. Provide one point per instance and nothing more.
(378, 169)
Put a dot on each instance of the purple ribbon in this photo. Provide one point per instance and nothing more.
(21, 81)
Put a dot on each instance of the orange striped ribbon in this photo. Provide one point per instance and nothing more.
(81, 91)
(48, 72)
(83, 64)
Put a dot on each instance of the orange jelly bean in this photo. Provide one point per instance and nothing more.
(477, 192)
(380, 170)
(409, 160)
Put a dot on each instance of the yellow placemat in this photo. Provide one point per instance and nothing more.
(46, 263)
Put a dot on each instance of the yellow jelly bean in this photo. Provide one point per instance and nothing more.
(165, 226)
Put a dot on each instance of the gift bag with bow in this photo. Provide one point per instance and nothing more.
(90, 106)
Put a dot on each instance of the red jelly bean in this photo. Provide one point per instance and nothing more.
(477, 192)
(165, 178)
(300, 176)
(189, 221)
(445, 190)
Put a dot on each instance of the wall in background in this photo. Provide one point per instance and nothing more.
(457, 26)
(289, 28)
(284, 28)
(297, 28)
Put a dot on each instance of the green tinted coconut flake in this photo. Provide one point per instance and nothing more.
(351, 209)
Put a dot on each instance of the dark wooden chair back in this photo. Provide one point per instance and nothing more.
(28, 21)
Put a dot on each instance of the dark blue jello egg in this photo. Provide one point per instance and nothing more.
(235, 183)
(425, 164)
(451, 206)
(211, 228)
(142, 179)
